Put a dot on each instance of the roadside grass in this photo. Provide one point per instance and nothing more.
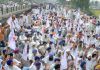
(96, 12)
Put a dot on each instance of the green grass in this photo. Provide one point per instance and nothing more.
(96, 12)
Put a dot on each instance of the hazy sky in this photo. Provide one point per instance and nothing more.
(94, 0)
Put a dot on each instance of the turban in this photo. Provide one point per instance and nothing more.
(57, 59)
(16, 50)
(49, 48)
(37, 58)
(9, 62)
(82, 64)
(4, 51)
(34, 51)
(37, 63)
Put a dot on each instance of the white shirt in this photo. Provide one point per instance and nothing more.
(21, 21)
(13, 68)
(48, 23)
(45, 59)
(16, 61)
(88, 65)
(97, 29)
(22, 37)
(32, 67)
(97, 43)
(63, 61)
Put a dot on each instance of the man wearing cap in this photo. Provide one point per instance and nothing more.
(10, 65)
(37, 65)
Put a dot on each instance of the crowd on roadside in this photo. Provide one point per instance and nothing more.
(52, 39)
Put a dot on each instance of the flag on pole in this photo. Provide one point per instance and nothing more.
(11, 40)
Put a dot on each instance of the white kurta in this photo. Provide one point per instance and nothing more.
(16, 23)
(21, 21)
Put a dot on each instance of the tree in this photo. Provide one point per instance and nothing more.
(82, 4)
(4, 1)
(62, 2)
(74, 3)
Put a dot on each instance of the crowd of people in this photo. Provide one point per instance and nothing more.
(51, 39)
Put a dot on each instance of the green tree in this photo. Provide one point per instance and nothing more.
(62, 2)
(82, 4)
(74, 3)
(4, 1)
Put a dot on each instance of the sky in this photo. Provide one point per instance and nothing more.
(94, 0)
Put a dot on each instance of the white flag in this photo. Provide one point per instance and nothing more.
(63, 61)
(11, 42)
